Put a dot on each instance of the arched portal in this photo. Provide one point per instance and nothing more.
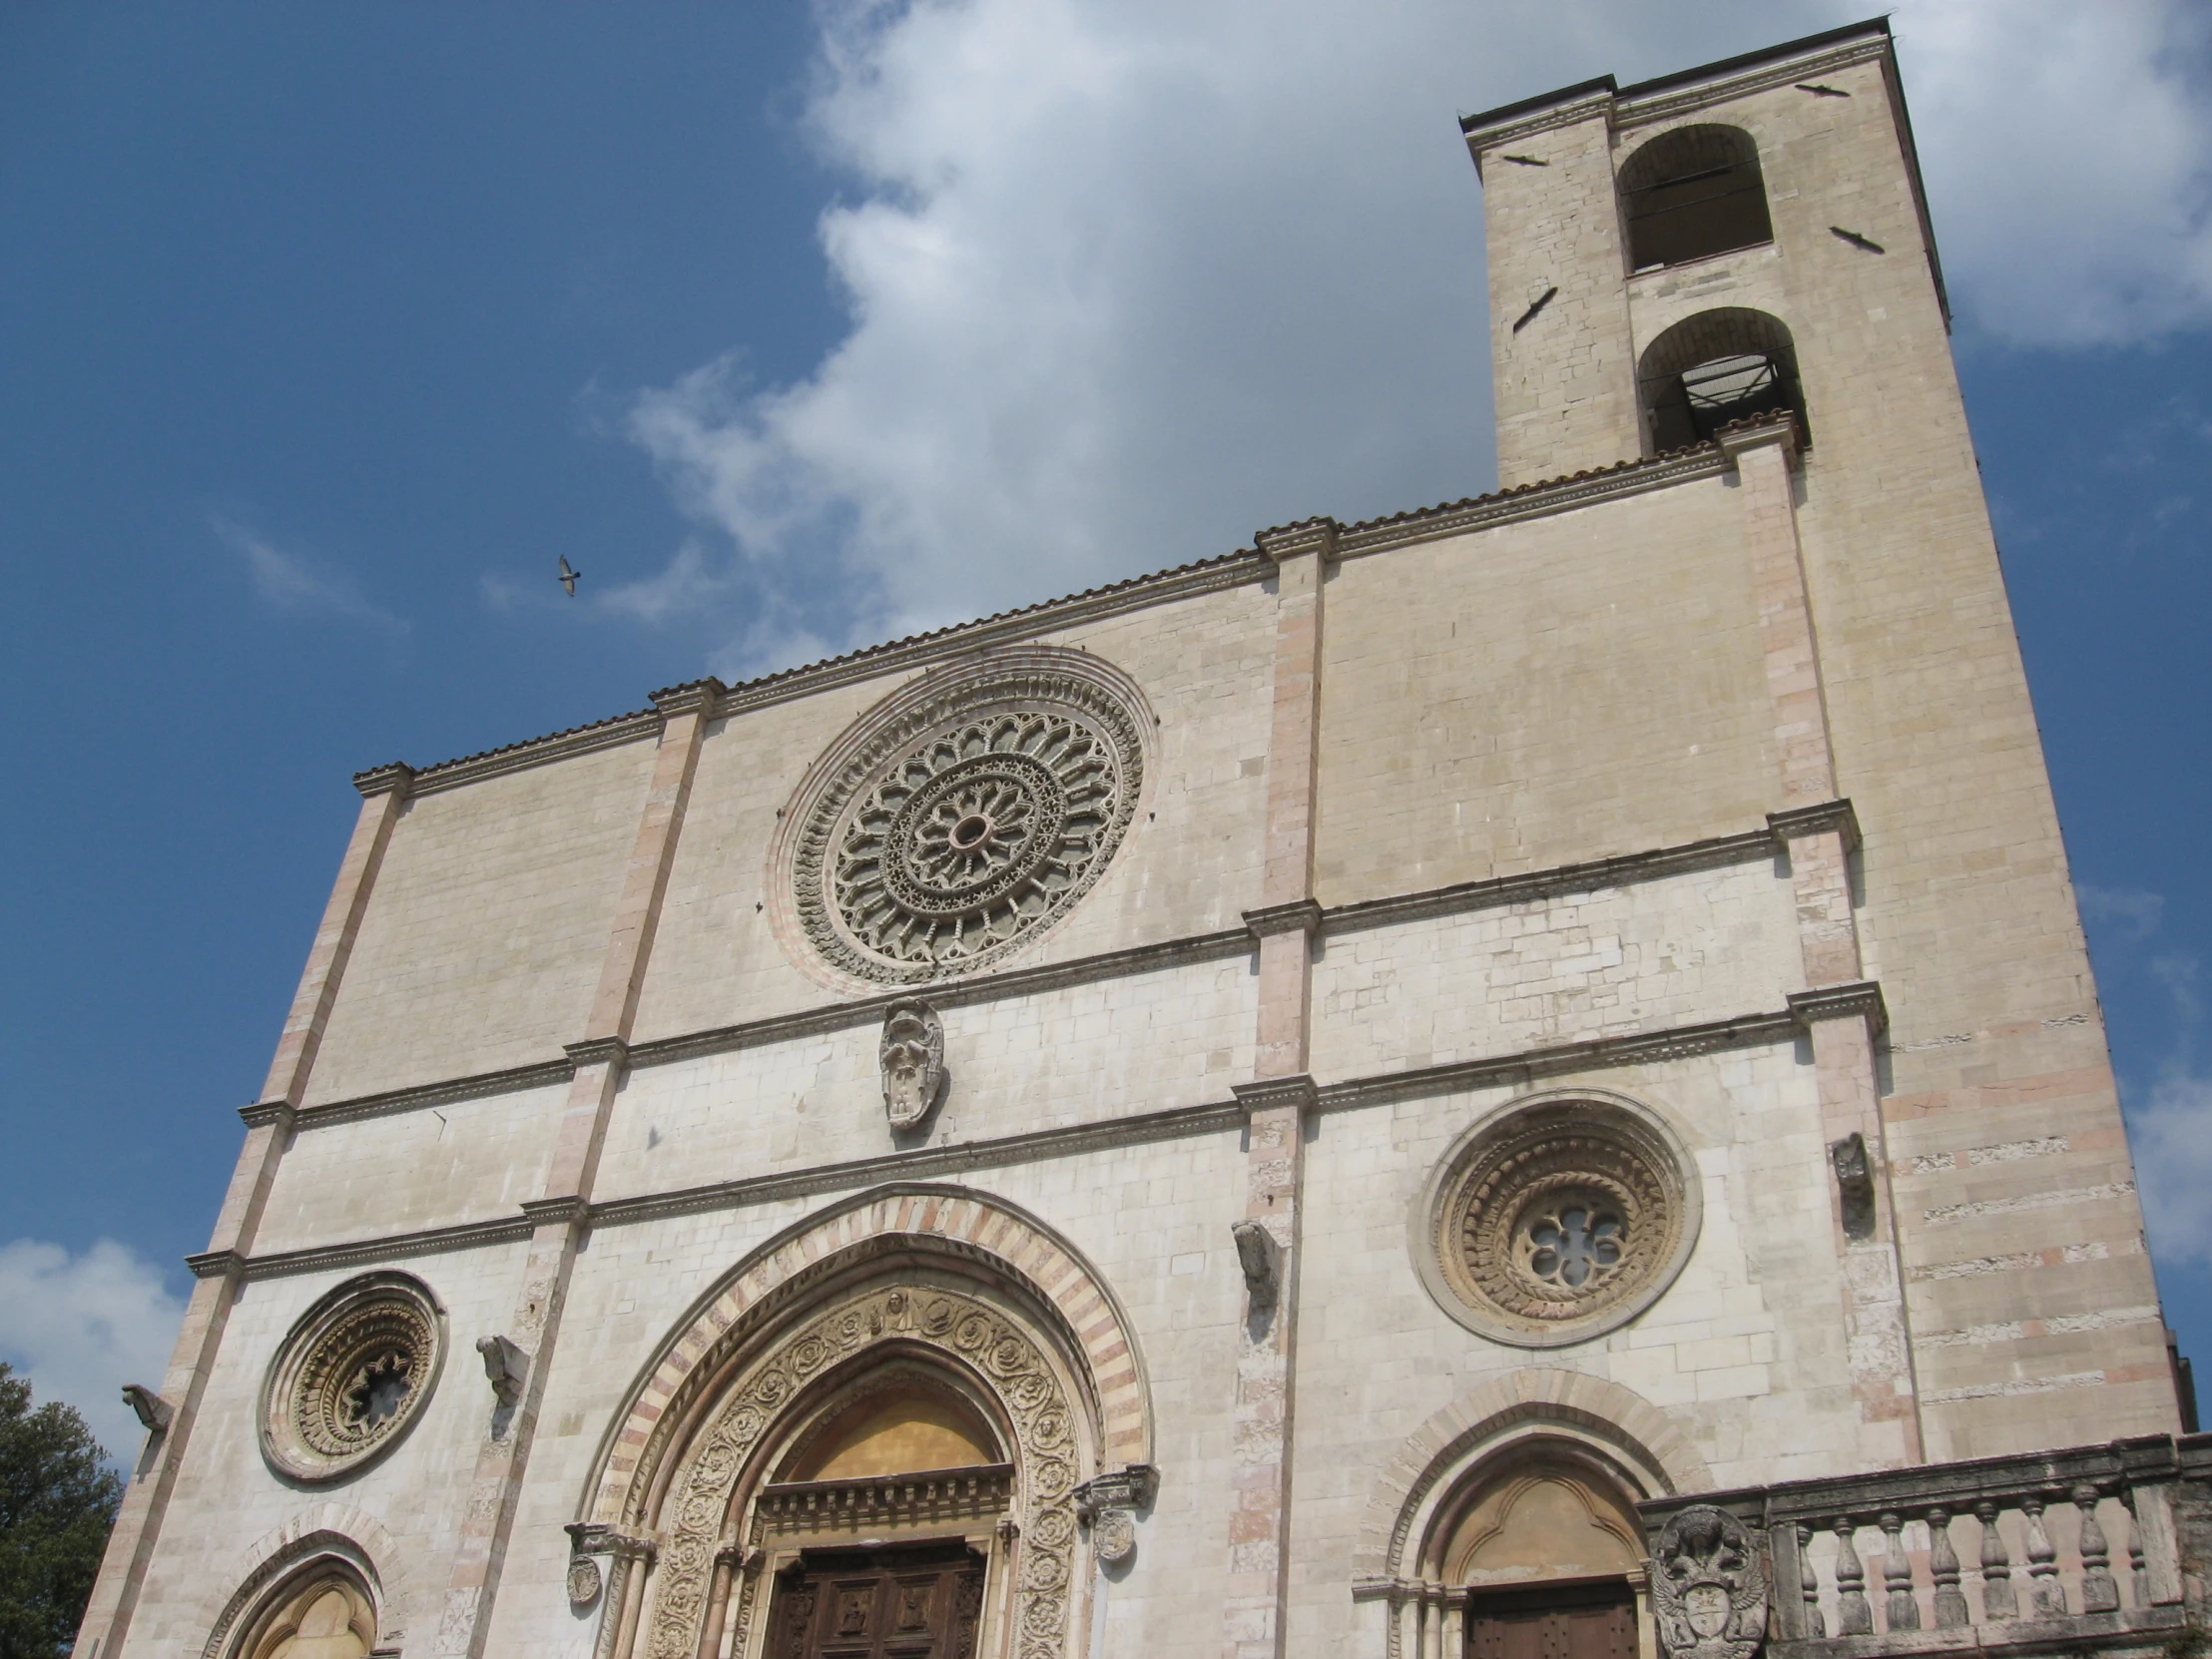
(1507, 1525)
(874, 1428)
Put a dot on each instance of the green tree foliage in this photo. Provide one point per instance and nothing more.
(57, 1501)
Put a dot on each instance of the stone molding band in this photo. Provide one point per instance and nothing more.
(1526, 1067)
(1458, 898)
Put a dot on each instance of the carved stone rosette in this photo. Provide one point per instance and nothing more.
(1557, 1219)
(970, 1333)
(1709, 1587)
(960, 817)
(352, 1376)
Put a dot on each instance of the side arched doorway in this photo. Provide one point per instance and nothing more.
(873, 1438)
(1545, 1558)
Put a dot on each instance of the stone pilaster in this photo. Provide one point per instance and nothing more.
(1278, 1099)
(1843, 1017)
(561, 1214)
(267, 1130)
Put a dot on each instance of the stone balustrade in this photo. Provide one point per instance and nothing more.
(2091, 1549)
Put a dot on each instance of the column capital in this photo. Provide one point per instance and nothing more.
(1299, 916)
(1760, 432)
(1861, 999)
(1307, 535)
(1266, 1093)
(216, 1264)
(395, 779)
(693, 696)
(597, 1051)
(1820, 819)
(266, 1112)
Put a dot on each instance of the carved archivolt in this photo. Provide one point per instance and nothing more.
(352, 1376)
(961, 1330)
(1557, 1219)
(961, 817)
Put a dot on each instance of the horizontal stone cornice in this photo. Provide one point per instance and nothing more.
(1289, 541)
(597, 1051)
(1659, 863)
(1642, 109)
(264, 1113)
(1036, 1145)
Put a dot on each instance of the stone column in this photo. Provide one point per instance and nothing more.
(561, 1214)
(268, 1132)
(1278, 1099)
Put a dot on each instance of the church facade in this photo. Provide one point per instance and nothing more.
(1520, 1078)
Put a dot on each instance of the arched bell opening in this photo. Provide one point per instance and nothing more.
(1714, 368)
(1691, 194)
(322, 1611)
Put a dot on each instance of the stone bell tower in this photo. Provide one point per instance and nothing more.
(1767, 207)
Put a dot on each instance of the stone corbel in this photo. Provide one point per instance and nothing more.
(506, 1369)
(153, 1410)
(1262, 1260)
(1108, 1503)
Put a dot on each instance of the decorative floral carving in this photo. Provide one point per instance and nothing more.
(1107, 1504)
(1558, 1221)
(1709, 1592)
(963, 818)
(972, 1332)
(352, 1376)
(913, 1053)
(583, 1580)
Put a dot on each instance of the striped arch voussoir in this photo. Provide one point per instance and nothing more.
(336, 1531)
(1435, 1451)
(931, 1218)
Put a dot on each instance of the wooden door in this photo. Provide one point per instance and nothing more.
(920, 1602)
(1553, 1621)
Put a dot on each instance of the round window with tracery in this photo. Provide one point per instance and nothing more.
(961, 818)
(352, 1376)
(1557, 1219)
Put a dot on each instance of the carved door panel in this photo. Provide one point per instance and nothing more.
(921, 1602)
(1553, 1621)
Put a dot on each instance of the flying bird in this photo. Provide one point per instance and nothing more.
(568, 576)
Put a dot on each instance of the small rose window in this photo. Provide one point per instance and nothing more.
(352, 1376)
(1557, 1221)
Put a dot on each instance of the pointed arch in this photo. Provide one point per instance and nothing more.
(334, 1533)
(1643, 1446)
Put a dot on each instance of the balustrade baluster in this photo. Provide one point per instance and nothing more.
(2139, 1569)
(1902, 1611)
(2045, 1594)
(1942, 1566)
(2000, 1600)
(1809, 1583)
(2098, 1593)
(1853, 1613)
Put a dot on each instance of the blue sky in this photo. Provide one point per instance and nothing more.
(794, 326)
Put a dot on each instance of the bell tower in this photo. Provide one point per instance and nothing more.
(1669, 257)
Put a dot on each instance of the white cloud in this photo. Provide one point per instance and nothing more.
(2170, 1134)
(80, 1326)
(296, 582)
(2131, 913)
(1129, 278)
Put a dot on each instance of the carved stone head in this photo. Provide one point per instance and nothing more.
(913, 1053)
